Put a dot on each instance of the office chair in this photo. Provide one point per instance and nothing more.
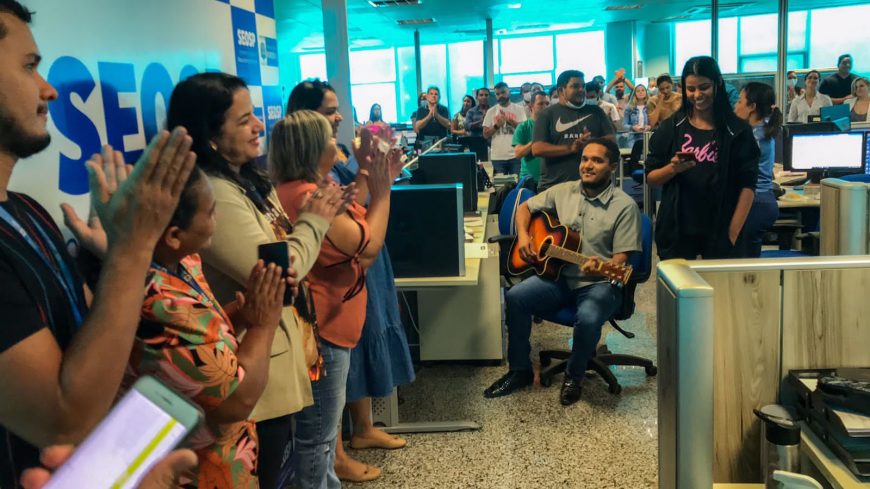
(603, 359)
(856, 177)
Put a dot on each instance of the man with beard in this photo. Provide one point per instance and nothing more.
(609, 222)
(499, 125)
(62, 358)
(563, 129)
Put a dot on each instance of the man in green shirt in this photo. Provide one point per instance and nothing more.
(531, 166)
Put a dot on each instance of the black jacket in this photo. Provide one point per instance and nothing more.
(738, 169)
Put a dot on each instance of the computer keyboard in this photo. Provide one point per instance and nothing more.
(793, 182)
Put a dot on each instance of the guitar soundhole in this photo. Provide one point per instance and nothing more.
(542, 252)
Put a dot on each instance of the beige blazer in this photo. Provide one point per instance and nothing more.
(227, 264)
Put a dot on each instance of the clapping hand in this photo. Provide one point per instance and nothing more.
(329, 199)
(135, 206)
(263, 300)
(362, 148)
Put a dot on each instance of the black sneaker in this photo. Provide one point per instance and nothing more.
(511, 381)
(570, 392)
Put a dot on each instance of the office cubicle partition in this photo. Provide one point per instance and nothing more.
(844, 222)
(728, 333)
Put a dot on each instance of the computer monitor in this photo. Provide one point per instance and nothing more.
(838, 114)
(822, 154)
(439, 168)
(477, 145)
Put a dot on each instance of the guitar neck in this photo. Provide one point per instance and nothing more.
(567, 255)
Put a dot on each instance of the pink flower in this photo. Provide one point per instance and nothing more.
(245, 453)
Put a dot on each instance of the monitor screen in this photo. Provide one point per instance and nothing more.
(832, 151)
(440, 168)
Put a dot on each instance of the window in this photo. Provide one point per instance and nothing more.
(312, 66)
(544, 78)
(690, 39)
(373, 66)
(834, 31)
(466, 71)
(407, 83)
(580, 51)
(433, 63)
(364, 96)
(526, 54)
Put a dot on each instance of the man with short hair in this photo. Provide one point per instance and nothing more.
(608, 220)
(562, 130)
(839, 85)
(619, 84)
(599, 80)
(475, 115)
(593, 97)
(433, 119)
(62, 357)
(554, 95)
(665, 103)
(531, 165)
(499, 125)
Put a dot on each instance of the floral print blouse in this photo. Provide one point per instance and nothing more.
(187, 340)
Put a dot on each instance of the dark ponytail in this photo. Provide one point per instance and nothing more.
(765, 106)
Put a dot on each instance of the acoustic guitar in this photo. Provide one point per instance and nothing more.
(556, 245)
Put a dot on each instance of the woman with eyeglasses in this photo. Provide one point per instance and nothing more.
(810, 102)
(302, 152)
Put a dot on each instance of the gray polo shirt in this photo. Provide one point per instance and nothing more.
(608, 223)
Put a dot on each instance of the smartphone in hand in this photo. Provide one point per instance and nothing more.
(279, 254)
(147, 423)
(685, 156)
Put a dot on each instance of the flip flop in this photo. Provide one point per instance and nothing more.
(364, 443)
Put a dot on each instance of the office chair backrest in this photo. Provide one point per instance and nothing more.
(642, 262)
(856, 177)
(506, 223)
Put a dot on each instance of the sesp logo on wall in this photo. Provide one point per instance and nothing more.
(116, 91)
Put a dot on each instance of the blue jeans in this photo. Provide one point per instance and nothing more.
(313, 458)
(595, 304)
(763, 213)
(508, 167)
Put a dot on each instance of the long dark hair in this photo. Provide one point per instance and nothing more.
(764, 99)
(308, 95)
(372, 113)
(708, 68)
(200, 103)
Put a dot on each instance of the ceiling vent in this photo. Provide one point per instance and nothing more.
(622, 7)
(415, 21)
(470, 32)
(723, 8)
(394, 3)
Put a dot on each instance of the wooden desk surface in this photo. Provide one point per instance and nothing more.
(835, 472)
(472, 265)
(797, 203)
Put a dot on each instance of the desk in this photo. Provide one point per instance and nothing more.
(814, 451)
(802, 203)
(459, 318)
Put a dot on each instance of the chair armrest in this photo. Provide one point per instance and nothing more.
(501, 239)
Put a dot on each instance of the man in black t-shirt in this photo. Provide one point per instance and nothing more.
(433, 119)
(61, 359)
(561, 131)
(839, 85)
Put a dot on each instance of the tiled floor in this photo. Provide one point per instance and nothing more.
(528, 440)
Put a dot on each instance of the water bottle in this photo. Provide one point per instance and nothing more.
(780, 443)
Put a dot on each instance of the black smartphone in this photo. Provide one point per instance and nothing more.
(279, 254)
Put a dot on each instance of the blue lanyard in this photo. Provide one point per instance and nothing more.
(67, 282)
(185, 277)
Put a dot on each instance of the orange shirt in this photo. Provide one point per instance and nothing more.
(337, 280)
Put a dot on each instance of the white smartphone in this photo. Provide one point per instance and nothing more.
(143, 427)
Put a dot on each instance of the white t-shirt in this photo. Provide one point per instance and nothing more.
(502, 147)
(611, 111)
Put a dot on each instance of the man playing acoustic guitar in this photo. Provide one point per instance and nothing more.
(608, 221)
